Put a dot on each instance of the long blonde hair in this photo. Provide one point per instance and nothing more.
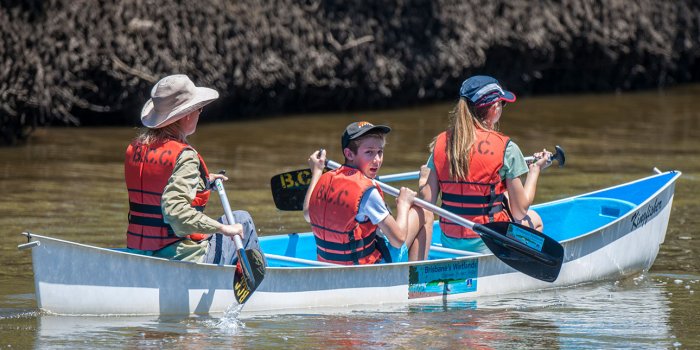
(173, 131)
(464, 118)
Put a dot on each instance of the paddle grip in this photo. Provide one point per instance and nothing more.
(558, 155)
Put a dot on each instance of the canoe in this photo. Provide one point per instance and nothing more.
(606, 234)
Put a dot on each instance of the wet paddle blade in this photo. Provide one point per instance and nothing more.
(524, 249)
(289, 189)
(250, 271)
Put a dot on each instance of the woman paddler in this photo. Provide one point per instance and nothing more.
(169, 184)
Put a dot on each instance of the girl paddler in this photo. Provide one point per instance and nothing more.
(477, 169)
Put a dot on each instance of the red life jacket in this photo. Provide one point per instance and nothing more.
(147, 169)
(479, 198)
(334, 204)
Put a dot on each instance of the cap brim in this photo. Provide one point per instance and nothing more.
(508, 96)
(203, 96)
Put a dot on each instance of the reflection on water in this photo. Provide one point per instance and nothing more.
(68, 183)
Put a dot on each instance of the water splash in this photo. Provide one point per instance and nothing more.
(229, 323)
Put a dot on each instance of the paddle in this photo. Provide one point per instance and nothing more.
(250, 268)
(289, 189)
(520, 247)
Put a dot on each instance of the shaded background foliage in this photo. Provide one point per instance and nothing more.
(90, 62)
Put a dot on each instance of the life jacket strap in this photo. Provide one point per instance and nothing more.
(490, 211)
(170, 236)
(353, 245)
(480, 200)
(153, 209)
(491, 201)
(350, 257)
(354, 249)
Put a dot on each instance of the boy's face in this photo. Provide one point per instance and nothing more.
(369, 157)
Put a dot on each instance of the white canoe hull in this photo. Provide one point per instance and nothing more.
(77, 279)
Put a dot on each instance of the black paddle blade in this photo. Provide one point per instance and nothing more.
(524, 249)
(250, 271)
(559, 156)
(289, 189)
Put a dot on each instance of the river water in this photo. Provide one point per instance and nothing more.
(68, 183)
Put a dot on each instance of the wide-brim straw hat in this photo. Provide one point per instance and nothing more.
(172, 98)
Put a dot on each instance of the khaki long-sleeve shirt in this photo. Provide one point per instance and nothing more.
(178, 195)
(177, 210)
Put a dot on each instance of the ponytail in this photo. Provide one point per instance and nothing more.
(461, 132)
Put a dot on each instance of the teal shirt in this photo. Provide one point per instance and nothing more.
(513, 162)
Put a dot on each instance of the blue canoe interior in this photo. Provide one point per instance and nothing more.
(563, 220)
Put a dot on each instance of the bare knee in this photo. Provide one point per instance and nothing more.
(533, 220)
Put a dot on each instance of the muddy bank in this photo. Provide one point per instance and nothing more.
(86, 62)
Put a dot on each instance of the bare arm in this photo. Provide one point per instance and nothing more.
(521, 196)
(517, 198)
(317, 161)
(428, 189)
(397, 229)
(428, 185)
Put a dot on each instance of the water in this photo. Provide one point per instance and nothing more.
(68, 183)
(636, 313)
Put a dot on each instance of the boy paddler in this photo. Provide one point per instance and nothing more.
(348, 216)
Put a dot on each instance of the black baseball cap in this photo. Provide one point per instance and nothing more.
(357, 129)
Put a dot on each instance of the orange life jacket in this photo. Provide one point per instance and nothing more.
(333, 207)
(147, 169)
(480, 197)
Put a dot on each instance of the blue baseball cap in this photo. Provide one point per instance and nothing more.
(483, 90)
